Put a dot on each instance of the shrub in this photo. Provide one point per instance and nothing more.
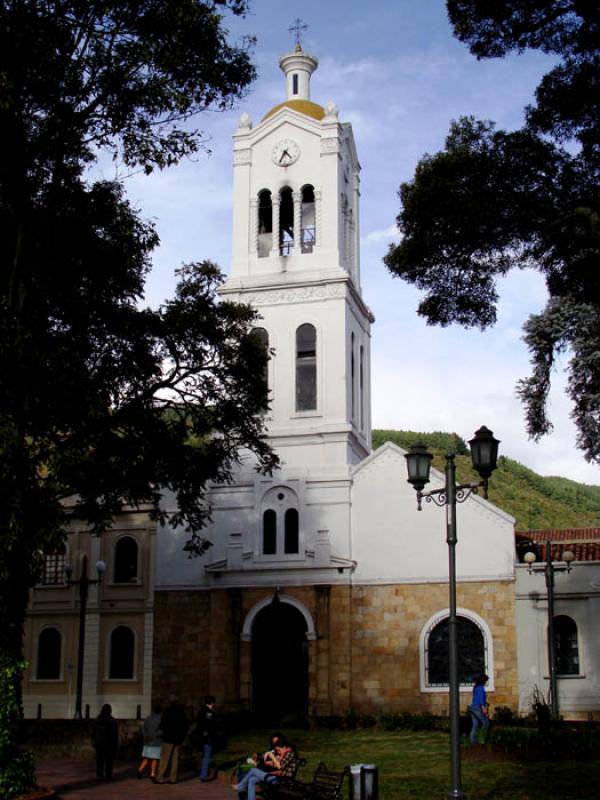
(424, 722)
(16, 765)
(407, 721)
(503, 715)
(330, 723)
(353, 720)
(541, 710)
(561, 741)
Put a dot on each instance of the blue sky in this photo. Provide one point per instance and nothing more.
(398, 75)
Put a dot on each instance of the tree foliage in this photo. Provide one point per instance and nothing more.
(495, 200)
(104, 402)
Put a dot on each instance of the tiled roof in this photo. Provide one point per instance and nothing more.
(584, 542)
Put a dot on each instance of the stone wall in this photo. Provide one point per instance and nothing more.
(181, 646)
(386, 624)
(366, 656)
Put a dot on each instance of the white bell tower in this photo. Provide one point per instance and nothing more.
(296, 260)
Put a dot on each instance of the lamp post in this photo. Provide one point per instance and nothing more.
(550, 568)
(484, 454)
(83, 585)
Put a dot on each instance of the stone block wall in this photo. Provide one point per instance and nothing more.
(366, 656)
(386, 624)
(181, 646)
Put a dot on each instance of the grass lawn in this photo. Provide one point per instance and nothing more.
(417, 765)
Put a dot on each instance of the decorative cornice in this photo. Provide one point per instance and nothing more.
(299, 294)
(323, 290)
(330, 145)
(242, 156)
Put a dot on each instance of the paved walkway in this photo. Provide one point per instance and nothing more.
(74, 780)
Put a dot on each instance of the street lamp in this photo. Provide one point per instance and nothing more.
(550, 567)
(83, 584)
(484, 454)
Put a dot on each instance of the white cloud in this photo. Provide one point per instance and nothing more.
(387, 235)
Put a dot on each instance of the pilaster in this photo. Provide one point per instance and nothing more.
(276, 235)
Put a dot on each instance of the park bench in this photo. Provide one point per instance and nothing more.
(326, 784)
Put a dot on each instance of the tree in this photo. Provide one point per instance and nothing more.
(494, 200)
(103, 401)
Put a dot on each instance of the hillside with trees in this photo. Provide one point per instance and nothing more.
(536, 502)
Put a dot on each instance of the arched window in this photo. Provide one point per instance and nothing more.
(306, 368)
(269, 532)
(49, 655)
(295, 83)
(262, 338)
(361, 379)
(122, 654)
(566, 646)
(471, 652)
(265, 223)
(286, 222)
(307, 226)
(352, 379)
(291, 541)
(280, 534)
(126, 560)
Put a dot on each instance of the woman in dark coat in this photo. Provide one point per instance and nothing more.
(106, 741)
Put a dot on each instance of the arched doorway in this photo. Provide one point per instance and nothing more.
(279, 663)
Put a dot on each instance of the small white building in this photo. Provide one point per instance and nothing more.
(576, 620)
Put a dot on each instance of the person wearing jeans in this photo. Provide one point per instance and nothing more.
(479, 709)
(206, 726)
(250, 781)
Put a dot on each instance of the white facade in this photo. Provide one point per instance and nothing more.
(577, 596)
(357, 514)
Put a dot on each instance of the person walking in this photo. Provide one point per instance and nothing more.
(106, 742)
(206, 726)
(479, 709)
(152, 743)
(174, 727)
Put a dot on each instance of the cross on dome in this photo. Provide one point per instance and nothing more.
(297, 29)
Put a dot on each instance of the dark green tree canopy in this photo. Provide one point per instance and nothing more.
(495, 200)
(78, 75)
(103, 402)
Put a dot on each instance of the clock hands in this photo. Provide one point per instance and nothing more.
(285, 153)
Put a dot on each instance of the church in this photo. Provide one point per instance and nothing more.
(325, 591)
(324, 578)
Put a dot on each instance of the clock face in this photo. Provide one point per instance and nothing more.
(285, 152)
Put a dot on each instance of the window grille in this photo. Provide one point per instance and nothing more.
(472, 652)
(566, 646)
(53, 573)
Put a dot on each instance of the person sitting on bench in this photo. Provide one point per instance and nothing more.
(285, 761)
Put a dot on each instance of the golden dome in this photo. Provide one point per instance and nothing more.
(303, 106)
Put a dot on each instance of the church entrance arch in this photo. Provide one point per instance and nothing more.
(279, 660)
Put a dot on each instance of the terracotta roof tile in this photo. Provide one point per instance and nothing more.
(584, 542)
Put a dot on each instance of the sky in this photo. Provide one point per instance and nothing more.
(399, 77)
